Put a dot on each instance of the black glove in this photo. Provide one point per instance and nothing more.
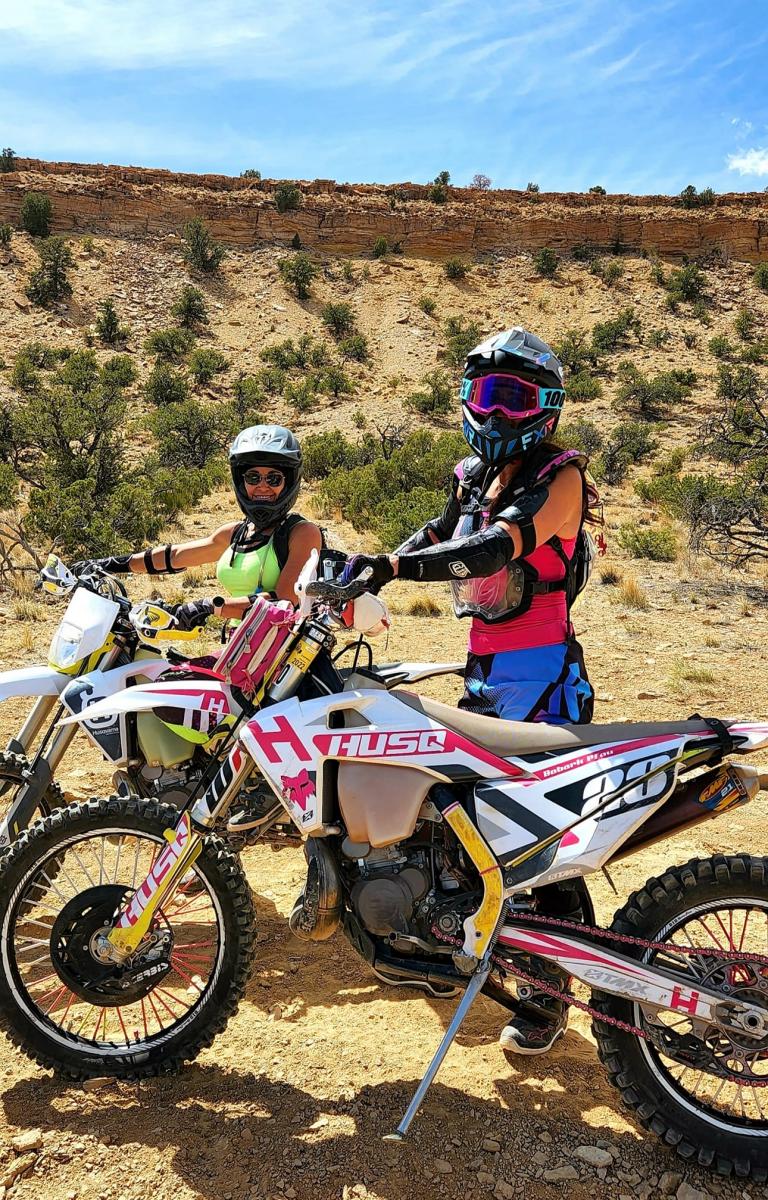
(383, 571)
(114, 565)
(192, 614)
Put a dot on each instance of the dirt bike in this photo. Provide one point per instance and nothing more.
(432, 835)
(102, 645)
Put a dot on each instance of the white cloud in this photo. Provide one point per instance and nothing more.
(749, 162)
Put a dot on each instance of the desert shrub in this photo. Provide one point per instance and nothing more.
(435, 395)
(455, 269)
(348, 272)
(632, 595)
(721, 347)
(165, 386)
(108, 327)
(287, 197)
(24, 377)
(354, 348)
(247, 399)
(290, 356)
(480, 181)
(690, 340)
(657, 273)
(428, 305)
(200, 250)
(49, 282)
(438, 192)
(250, 173)
(656, 338)
(579, 434)
(191, 434)
(36, 214)
(745, 324)
(335, 382)
(597, 190)
(533, 188)
(37, 354)
(271, 380)
(339, 319)
(628, 443)
(583, 386)
(119, 371)
(189, 308)
(691, 198)
(610, 335)
(650, 397)
(461, 336)
(609, 576)
(169, 345)
(302, 394)
(583, 252)
(700, 310)
(546, 262)
(204, 363)
(380, 247)
(575, 351)
(7, 160)
(6, 233)
(609, 271)
(659, 545)
(761, 276)
(296, 242)
(324, 453)
(754, 352)
(298, 272)
(686, 283)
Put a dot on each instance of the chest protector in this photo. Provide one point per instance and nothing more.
(509, 592)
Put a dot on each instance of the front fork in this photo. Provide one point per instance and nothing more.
(185, 843)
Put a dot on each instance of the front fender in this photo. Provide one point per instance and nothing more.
(32, 681)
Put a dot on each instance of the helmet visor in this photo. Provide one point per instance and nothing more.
(514, 398)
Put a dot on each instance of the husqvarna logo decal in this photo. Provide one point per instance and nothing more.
(382, 745)
(282, 734)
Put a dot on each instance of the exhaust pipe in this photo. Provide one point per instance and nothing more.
(710, 794)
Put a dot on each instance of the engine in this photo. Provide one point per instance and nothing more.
(389, 893)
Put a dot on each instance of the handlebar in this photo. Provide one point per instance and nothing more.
(326, 589)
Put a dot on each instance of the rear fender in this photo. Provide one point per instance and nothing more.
(32, 681)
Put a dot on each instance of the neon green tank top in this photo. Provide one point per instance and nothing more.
(242, 574)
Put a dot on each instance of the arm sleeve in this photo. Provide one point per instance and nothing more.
(442, 527)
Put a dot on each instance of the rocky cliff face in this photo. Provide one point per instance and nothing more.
(347, 218)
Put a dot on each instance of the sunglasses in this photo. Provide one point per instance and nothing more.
(273, 479)
(509, 395)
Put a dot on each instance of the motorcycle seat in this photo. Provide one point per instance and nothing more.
(507, 738)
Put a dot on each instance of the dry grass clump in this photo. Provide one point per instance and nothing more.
(194, 577)
(423, 605)
(26, 609)
(683, 673)
(632, 595)
(609, 576)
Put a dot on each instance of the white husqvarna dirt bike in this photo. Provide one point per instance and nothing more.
(432, 835)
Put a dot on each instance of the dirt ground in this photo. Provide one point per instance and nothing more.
(321, 1060)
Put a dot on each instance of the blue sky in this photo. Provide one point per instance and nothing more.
(637, 96)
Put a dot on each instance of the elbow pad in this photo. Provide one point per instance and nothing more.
(166, 551)
(480, 554)
(522, 513)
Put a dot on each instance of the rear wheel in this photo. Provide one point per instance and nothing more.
(714, 1108)
(62, 883)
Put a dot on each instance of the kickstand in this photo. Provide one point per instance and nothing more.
(473, 988)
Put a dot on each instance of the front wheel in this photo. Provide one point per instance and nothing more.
(712, 1108)
(13, 768)
(61, 884)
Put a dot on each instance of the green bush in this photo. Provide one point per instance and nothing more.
(656, 338)
(533, 188)
(272, 380)
(247, 400)
(428, 305)
(745, 324)
(690, 198)
(546, 262)
(339, 319)
(455, 269)
(380, 247)
(721, 347)
(324, 453)
(7, 160)
(583, 386)
(287, 197)
(610, 335)
(169, 345)
(250, 173)
(628, 443)
(354, 348)
(659, 545)
(119, 371)
(597, 190)
(650, 397)
(165, 386)
(6, 233)
(204, 363)
(435, 397)
(583, 252)
(190, 308)
(657, 273)
(580, 434)
(290, 356)
(298, 272)
(49, 282)
(461, 336)
(108, 327)
(690, 340)
(335, 382)
(610, 272)
(200, 250)
(686, 283)
(302, 394)
(761, 276)
(575, 351)
(438, 192)
(191, 434)
(348, 272)
(36, 214)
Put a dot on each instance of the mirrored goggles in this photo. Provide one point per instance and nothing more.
(509, 395)
(254, 476)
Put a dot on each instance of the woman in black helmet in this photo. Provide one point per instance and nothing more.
(263, 553)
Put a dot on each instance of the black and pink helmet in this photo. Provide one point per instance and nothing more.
(272, 446)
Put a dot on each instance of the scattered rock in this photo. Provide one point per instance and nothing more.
(594, 1156)
(560, 1174)
(686, 1192)
(486, 1178)
(16, 1169)
(670, 1182)
(93, 1085)
(649, 695)
(491, 1145)
(503, 1191)
(442, 1166)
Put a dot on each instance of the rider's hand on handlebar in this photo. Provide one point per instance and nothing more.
(382, 571)
(115, 564)
(192, 614)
